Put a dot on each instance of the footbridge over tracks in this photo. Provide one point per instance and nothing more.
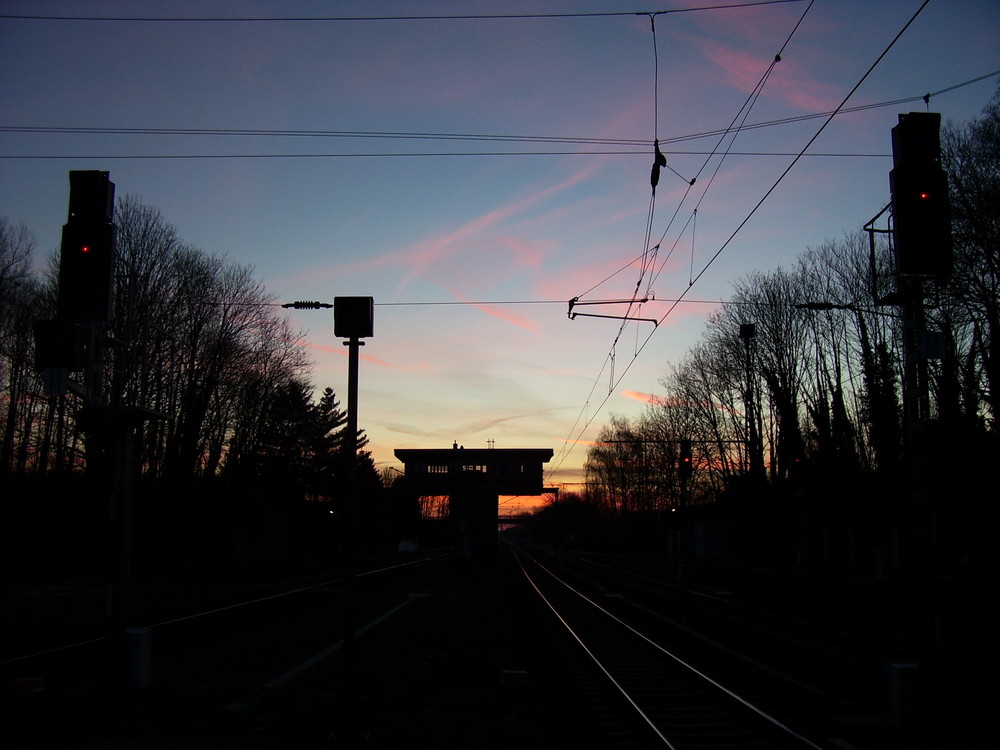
(473, 479)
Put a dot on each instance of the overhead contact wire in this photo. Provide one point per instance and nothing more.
(344, 19)
(744, 110)
(731, 132)
(781, 177)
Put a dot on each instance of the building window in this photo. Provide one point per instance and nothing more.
(437, 469)
(476, 469)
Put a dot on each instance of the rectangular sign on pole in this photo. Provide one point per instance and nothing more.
(353, 317)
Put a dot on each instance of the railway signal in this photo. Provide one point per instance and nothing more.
(920, 205)
(685, 465)
(87, 256)
(72, 341)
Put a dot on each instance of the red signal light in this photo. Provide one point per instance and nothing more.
(925, 196)
(86, 272)
(685, 466)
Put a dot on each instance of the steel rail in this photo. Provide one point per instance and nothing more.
(690, 668)
(218, 610)
(281, 594)
(842, 636)
(652, 725)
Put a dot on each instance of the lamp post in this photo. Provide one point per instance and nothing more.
(353, 319)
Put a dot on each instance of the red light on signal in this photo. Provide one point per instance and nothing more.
(924, 196)
(85, 249)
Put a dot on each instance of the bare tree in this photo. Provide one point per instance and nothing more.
(971, 156)
(202, 345)
(21, 298)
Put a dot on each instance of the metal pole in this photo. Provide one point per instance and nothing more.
(916, 411)
(351, 456)
(353, 320)
(350, 526)
(351, 449)
(352, 393)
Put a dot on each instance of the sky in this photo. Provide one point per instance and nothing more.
(471, 246)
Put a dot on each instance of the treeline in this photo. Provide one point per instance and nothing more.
(793, 399)
(238, 439)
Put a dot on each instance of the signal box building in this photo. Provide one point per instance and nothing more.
(473, 479)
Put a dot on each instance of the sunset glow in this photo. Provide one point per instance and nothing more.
(472, 176)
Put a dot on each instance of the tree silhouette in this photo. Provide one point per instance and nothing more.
(971, 156)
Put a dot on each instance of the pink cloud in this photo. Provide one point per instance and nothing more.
(645, 398)
(525, 254)
(617, 270)
(419, 257)
(424, 254)
(501, 313)
(787, 83)
(509, 317)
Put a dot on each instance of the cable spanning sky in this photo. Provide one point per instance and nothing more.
(488, 161)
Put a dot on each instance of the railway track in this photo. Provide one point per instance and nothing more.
(451, 656)
(818, 654)
(648, 663)
(191, 630)
(641, 692)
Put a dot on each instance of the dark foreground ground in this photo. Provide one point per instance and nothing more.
(467, 661)
(459, 666)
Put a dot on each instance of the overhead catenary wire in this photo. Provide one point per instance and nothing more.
(610, 359)
(659, 161)
(731, 135)
(408, 154)
(640, 144)
(805, 148)
(473, 303)
(370, 19)
(694, 233)
(316, 133)
(571, 440)
(650, 251)
(734, 128)
(648, 256)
